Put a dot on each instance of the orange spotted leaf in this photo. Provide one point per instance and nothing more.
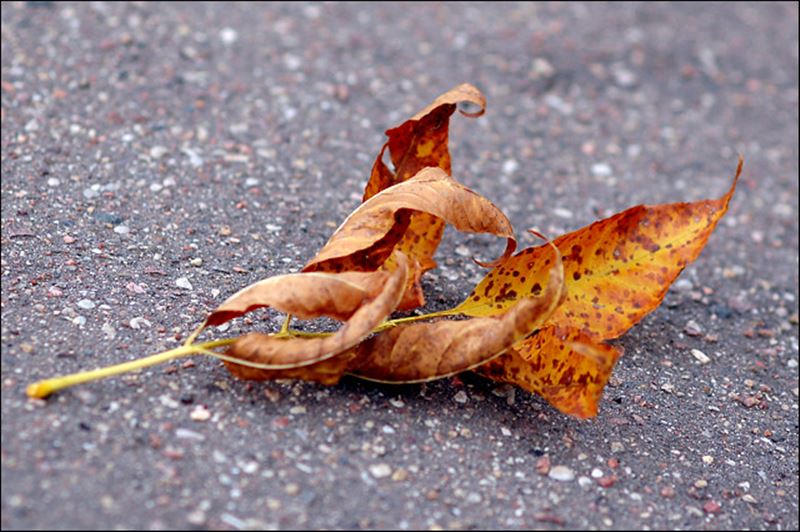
(617, 270)
(566, 367)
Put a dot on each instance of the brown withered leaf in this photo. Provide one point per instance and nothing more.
(280, 353)
(304, 295)
(566, 367)
(422, 140)
(367, 237)
(420, 352)
(417, 143)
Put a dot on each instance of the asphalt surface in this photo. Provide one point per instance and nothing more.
(157, 157)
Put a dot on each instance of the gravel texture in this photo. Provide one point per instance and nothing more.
(158, 157)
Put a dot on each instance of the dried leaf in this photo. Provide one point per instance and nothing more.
(304, 295)
(420, 142)
(564, 366)
(426, 351)
(367, 237)
(617, 270)
(280, 353)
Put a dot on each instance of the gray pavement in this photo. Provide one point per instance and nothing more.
(158, 157)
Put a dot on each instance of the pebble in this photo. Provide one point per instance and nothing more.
(543, 465)
(109, 331)
(200, 413)
(183, 282)
(228, 35)
(296, 410)
(186, 434)
(137, 322)
(400, 475)
(692, 328)
(380, 470)
(461, 397)
(197, 261)
(122, 230)
(561, 473)
(749, 499)
(700, 484)
(584, 482)
(700, 356)
(601, 170)
(53, 182)
(563, 213)
(510, 166)
(463, 251)
(708, 460)
(86, 304)
(596, 473)
(157, 152)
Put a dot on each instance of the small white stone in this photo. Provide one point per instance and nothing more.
(601, 170)
(461, 397)
(186, 434)
(86, 304)
(197, 261)
(584, 482)
(700, 356)
(561, 473)
(137, 322)
(157, 152)
(463, 251)
(53, 182)
(708, 460)
(200, 413)
(122, 230)
(183, 282)
(228, 35)
(510, 166)
(296, 410)
(380, 470)
(597, 472)
(563, 213)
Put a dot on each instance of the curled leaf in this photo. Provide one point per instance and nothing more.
(305, 295)
(422, 140)
(417, 143)
(426, 351)
(566, 367)
(617, 270)
(367, 237)
(271, 352)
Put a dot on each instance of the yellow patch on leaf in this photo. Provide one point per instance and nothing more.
(617, 270)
